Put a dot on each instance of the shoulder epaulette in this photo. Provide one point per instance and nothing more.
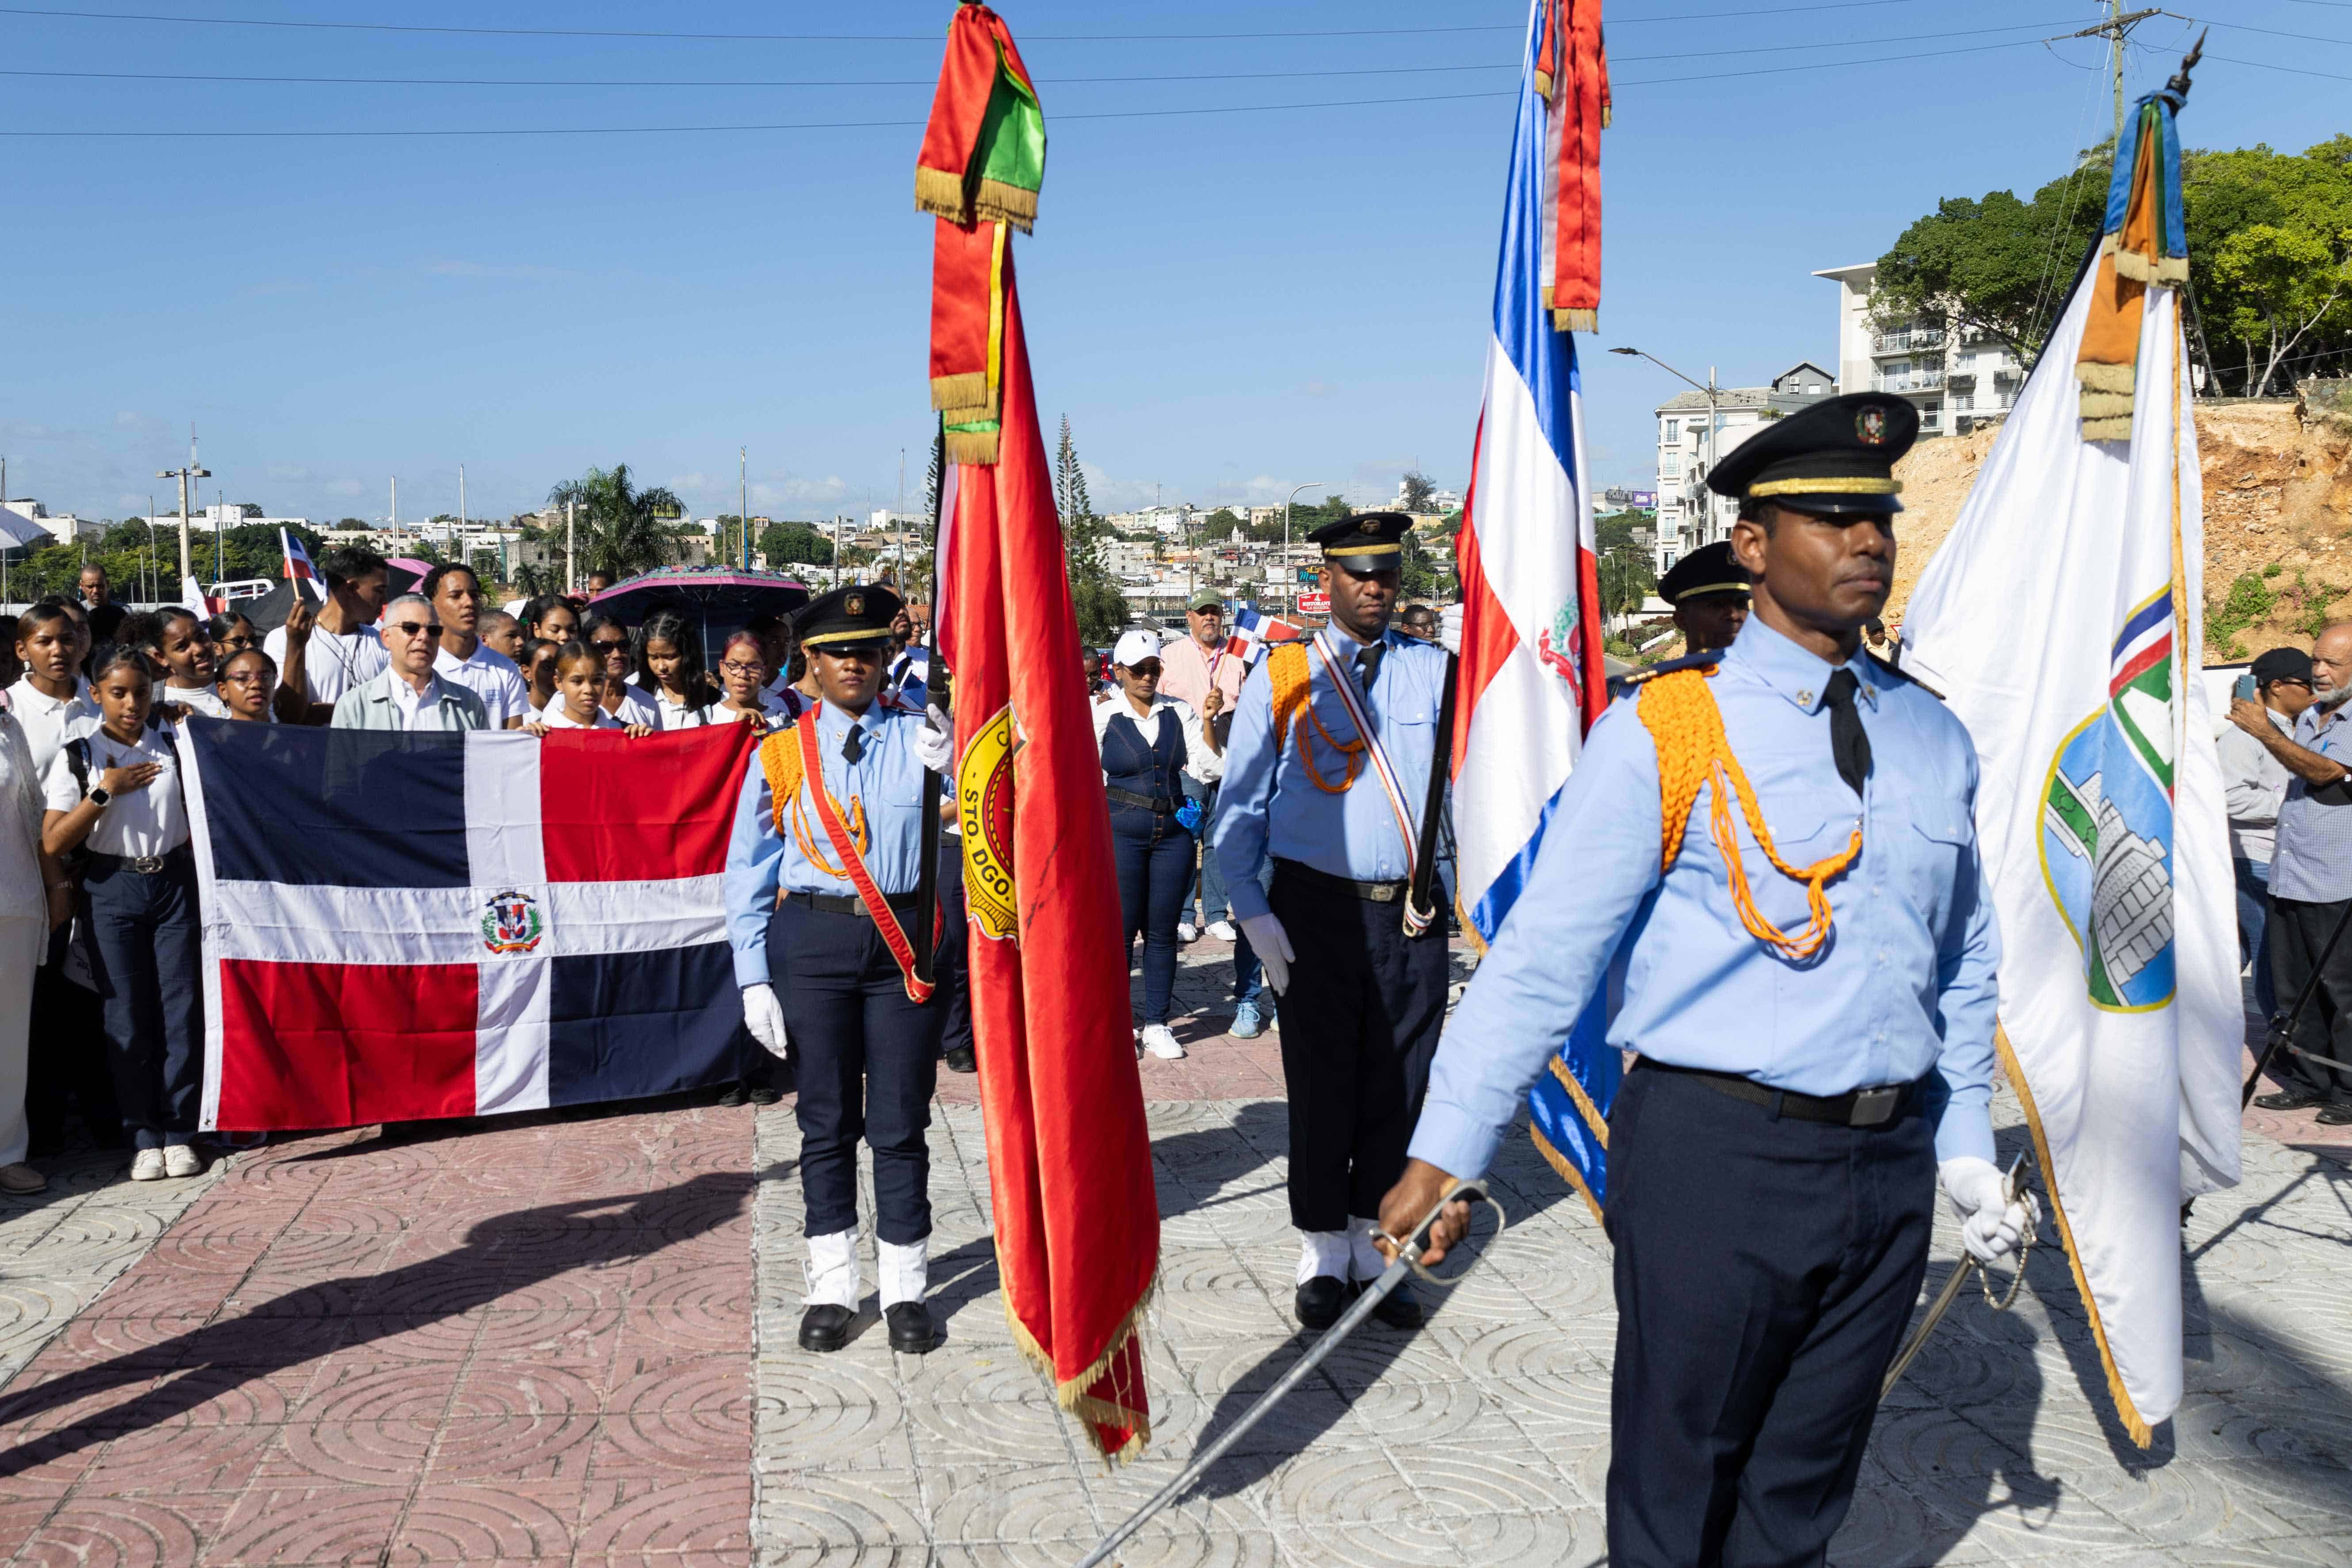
(1286, 669)
(780, 759)
(1634, 679)
(1894, 672)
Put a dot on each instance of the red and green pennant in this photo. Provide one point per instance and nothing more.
(984, 158)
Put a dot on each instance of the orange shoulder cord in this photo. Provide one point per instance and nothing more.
(1290, 671)
(780, 759)
(1687, 729)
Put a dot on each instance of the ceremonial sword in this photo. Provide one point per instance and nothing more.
(2012, 1192)
(1408, 1259)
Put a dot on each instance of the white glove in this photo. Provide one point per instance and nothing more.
(1271, 945)
(764, 1016)
(1990, 1226)
(1449, 629)
(935, 742)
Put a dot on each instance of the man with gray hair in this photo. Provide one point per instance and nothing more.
(2311, 883)
(408, 695)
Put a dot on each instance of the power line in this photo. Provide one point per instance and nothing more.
(2293, 70)
(672, 82)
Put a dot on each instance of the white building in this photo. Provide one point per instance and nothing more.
(1439, 500)
(1957, 380)
(1694, 430)
(204, 519)
(63, 529)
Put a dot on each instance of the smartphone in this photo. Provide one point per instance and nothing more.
(2242, 689)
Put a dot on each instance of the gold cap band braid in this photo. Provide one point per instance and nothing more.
(827, 639)
(1860, 486)
(1339, 552)
(1715, 588)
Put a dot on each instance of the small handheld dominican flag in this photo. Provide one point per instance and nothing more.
(1247, 638)
(193, 595)
(299, 569)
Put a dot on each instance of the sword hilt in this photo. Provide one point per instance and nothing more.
(1471, 1191)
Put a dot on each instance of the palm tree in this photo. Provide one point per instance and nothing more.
(620, 529)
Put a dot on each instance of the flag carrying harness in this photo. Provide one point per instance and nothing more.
(1686, 727)
(790, 759)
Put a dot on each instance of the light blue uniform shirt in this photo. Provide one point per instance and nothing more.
(1269, 805)
(1904, 985)
(2312, 860)
(887, 778)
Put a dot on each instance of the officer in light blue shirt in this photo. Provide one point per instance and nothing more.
(1814, 1024)
(1338, 814)
(864, 1048)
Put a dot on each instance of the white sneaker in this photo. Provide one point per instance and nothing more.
(179, 1160)
(1222, 930)
(1187, 931)
(1160, 1041)
(148, 1165)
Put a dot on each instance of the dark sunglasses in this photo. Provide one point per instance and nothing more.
(1148, 666)
(411, 628)
(608, 644)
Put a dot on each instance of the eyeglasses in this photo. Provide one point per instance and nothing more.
(1148, 667)
(608, 644)
(414, 628)
(737, 667)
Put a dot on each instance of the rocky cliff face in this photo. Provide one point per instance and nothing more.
(2278, 521)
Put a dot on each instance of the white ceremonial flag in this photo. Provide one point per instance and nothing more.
(2063, 621)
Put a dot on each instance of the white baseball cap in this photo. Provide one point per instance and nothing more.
(1134, 648)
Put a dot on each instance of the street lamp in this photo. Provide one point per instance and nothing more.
(1708, 388)
(1288, 584)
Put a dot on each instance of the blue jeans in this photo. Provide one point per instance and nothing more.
(143, 955)
(1211, 883)
(2253, 929)
(1154, 855)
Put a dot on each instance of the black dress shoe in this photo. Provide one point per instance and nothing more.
(1398, 1309)
(961, 1059)
(2335, 1115)
(911, 1328)
(1321, 1300)
(732, 1094)
(763, 1094)
(825, 1327)
(2287, 1099)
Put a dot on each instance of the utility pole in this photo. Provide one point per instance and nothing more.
(571, 552)
(461, 509)
(743, 500)
(902, 524)
(395, 514)
(220, 557)
(2117, 26)
(183, 473)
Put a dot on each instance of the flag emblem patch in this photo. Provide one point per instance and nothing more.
(511, 922)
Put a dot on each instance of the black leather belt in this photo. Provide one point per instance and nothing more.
(145, 864)
(1140, 801)
(849, 903)
(1872, 1107)
(1371, 892)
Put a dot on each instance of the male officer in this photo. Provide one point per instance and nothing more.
(1327, 770)
(1811, 988)
(1708, 589)
(830, 815)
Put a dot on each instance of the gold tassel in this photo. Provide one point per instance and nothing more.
(941, 194)
(2097, 377)
(1000, 203)
(1543, 85)
(1576, 321)
(966, 390)
(2107, 404)
(971, 446)
(2107, 430)
(1567, 1168)
(1070, 1392)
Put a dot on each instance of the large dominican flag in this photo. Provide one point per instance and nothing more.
(398, 927)
(1532, 677)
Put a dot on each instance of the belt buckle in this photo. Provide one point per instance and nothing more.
(1382, 892)
(146, 865)
(1873, 1106)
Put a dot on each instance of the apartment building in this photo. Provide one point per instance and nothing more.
(1957, 380)
(1694, 430)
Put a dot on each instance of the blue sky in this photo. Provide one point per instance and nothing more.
(1224, 304)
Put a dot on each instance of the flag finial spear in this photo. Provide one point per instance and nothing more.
(2178, 85)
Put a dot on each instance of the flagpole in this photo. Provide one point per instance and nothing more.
(935, 690)
(1421, 900)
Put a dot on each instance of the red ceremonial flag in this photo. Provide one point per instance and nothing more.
(1069, 1158)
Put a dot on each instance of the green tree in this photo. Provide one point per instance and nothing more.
(1094, 596)
(1996, 266)
(1626, 575)
(1418, 489)
(802, 544)
(1416, 570)
(621, 529)
(2270, 257)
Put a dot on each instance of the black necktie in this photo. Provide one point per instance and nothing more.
(853, 745)
(1368, 665)
(1848, 742)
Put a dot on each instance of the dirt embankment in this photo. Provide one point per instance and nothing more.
(2278, 521)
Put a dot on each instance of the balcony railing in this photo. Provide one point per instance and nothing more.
(1906, 340)
(1910, 381)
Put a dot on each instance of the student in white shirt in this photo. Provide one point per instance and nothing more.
(463, 658)
(336, 649)
(51, 700)
(537, 663)
(743, 694)
(579, 697)
(669, 672)
(552, 617)
(610, 640)
(116, 792)
(248, 681)
(175, 639)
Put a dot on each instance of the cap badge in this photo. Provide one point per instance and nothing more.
(1869, 425)
(855, 604)
(1368, 526)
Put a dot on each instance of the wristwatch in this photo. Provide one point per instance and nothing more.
(100, 796)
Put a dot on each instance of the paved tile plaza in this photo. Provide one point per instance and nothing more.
(554, 1340)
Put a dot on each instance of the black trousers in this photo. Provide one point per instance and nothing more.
(865, 1058)
(2298, 933)
(1360, 1025)
(143, 955)
(1765, 1272)
(68, 1066)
